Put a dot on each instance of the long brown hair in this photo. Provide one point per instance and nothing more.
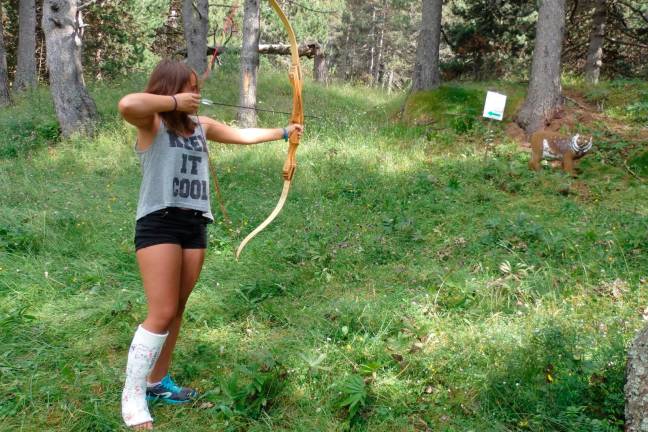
(169, 78)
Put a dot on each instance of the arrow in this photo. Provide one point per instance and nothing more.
(209, 102)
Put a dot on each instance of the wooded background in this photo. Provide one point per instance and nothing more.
(393, 44)
(372, 42)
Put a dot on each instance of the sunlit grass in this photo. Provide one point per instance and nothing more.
(466, 292)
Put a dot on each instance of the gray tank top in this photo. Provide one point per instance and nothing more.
(175, 173)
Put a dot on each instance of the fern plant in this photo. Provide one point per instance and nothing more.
(353, 396)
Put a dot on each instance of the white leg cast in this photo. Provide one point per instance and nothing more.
(144, 351)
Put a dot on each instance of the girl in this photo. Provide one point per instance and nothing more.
(172, 214)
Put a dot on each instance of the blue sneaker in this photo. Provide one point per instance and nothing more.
(169, 392)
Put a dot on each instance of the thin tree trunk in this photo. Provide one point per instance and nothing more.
(195, 16)
(595, 53)
(426, 69)
(544, 97)
(75, 109)
(320, 70)
(249, 63)
(390, 82)
(372, 41)
(5, 97)
(26, 71)
(379, 71)
(345, 67)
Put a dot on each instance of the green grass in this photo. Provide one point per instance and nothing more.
(412, 281)
(626, 100)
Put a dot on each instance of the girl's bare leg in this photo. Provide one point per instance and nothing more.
(161, 268)
(192, 261)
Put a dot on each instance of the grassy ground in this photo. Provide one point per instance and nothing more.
(419, 277)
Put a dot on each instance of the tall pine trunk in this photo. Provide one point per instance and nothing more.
(595, 52)
(426, 69)
(75, 109)
(544, 97)
(249, 63)
(195, 16)
(26, 71)
(5, 97)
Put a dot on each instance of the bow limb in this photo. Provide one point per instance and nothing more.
(297, 116)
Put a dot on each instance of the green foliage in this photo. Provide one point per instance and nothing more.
(622, 99)
(490, 39)
(456, 107)
(412, 281)
(572, 391)
(249, 391)
(15, 239)
(115, 40)
(31, 127)
(353, 396)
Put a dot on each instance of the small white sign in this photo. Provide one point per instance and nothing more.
(494, 106)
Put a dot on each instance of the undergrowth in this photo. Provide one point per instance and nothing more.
(418, 278)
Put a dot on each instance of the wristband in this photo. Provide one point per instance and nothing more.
(285, 134)
(175, 103)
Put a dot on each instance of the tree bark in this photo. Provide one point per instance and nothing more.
(595, 52)
(372, 42)
(195, 16)
(426, 69)
(379, 71)
(75, 109)
(249, 63)
(5, 97)
(544, 97)
(320, 69)
(345, 64)
(309, 50)
(26, 71)
(636, 387)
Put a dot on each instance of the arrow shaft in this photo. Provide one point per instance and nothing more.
(210, 103)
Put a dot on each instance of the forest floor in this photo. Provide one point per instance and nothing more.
(419, 278)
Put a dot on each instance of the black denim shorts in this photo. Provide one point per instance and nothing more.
(187, 228)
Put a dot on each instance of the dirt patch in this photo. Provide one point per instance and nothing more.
(578, 111)
(517, 134)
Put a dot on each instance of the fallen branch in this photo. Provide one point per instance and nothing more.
(625, 164)
(574, 101)
(305, 50)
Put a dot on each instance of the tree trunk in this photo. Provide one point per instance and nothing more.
(345, 66)
(249, 64)
(379, 71)
(372, 42)
(195, 16)
(595, 53)
(390, 82)
(320, 70)
(5, 97)
(75, 109)
(426, 69)
(26, 71)
(636, 387)
(544, 97)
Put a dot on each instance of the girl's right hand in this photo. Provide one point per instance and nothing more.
(187, 102)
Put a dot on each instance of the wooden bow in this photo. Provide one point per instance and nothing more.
(297, 116)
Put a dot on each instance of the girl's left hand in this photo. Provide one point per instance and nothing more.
(295, 127)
